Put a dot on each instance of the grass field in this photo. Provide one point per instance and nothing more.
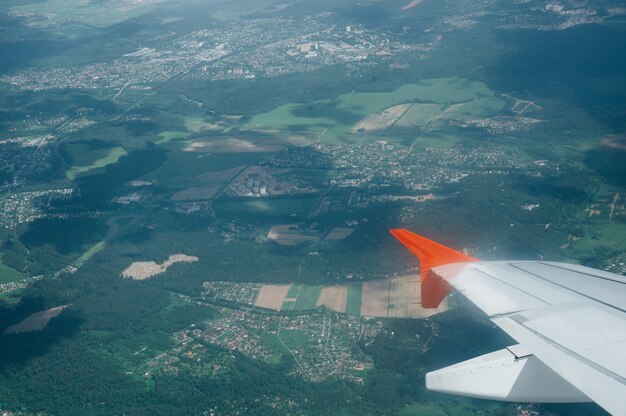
(288, 305)
(307, 298)
(8, 274)
(329, 120)
(355, 293)
(419, 114)
(457, 407)
(93, 250)
(601, 234)
(418, 409)
(294, 290)
(294, 338)
(184, 165)
(169, 135)
(476, 108)
(283, 207)
(436, 140)
(110, 156)
(301, 297)
(88, 13)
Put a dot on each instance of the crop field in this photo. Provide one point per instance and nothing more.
(353, 302)
(403, 296)
(375, 298)
(405, 299)
(272, 296)
(307, 297)
(334, 297)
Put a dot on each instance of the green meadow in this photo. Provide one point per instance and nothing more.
(104, 157)
(331, 120)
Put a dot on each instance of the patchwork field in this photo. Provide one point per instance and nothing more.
(386, 298)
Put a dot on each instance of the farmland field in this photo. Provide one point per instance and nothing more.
(272, 296)
(353, 303)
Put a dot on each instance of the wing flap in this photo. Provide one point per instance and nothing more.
(603, 387)
(503, 375)
(570, 322)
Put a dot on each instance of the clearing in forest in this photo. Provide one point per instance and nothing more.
(141, 270)
(35, 322)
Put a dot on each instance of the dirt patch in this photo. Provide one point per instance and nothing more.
(36, 321)
(272, 296)
(243, 144)
(291, 234)
(334, 297)
(381, 121)
(375, 298)
(141, 270)
(412, 4)
(614, 143)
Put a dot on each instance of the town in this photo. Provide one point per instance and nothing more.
(322, 343)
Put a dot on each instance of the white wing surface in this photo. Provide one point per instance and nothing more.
(569, 320)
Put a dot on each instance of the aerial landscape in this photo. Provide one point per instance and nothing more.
(196, 195)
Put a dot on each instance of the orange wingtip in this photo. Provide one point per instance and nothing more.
(431, 254)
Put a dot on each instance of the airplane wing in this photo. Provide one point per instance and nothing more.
(569, 321)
